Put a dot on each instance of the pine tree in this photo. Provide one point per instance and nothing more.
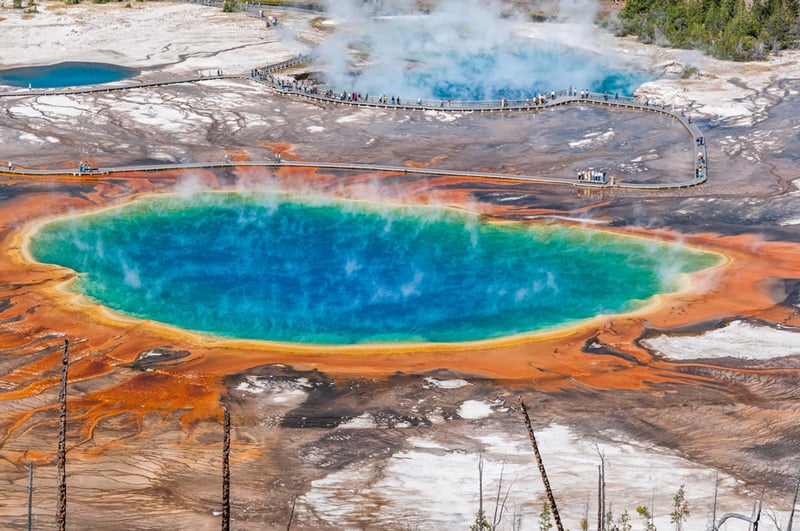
(229, 6)
(728, 29)
(545, 520)
(624, 522)
(648, 518)
(680, 509)
(480, 524)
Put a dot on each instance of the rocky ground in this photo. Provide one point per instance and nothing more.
(391, 440)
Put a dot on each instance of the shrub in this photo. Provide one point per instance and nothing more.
(230, 6)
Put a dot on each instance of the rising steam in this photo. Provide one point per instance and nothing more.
(465, 49)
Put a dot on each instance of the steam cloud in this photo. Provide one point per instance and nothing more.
(464, 49)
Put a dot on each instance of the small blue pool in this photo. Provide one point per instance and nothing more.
(65, 75)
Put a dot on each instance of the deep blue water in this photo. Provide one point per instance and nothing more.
(64, 75)
(273, 267)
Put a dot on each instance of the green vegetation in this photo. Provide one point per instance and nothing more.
(481, 523)
(230, 6)
(624, 523)
(740, 30)
(644, 512)
(680, 509)
(545, 520)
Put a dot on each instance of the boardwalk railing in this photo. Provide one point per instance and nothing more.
(289, 63)
(539, 102)
(321, 165)
(290, 87)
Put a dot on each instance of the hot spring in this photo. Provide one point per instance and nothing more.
(282, 268)
(515, 73)
(64, 75)
(468, 51)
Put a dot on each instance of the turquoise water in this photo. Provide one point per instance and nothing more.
(520, 72)
(64, 75)
(274, 267)
(470, 52)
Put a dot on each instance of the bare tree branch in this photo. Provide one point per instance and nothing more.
(495, 521)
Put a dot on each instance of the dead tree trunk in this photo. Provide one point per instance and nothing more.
(30, 495)
(599, 498)
(794, 503)
(716, 491)
(604, 515)
(61, 511)
(480, 492)
(226, 473)
(291, 513)
(550, 498)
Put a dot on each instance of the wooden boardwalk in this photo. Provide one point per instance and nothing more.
(24, 172)
(289, 88)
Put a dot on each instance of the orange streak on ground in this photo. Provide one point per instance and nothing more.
(430, 164)
(284, 148)
(238, 155)
(102, 343)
